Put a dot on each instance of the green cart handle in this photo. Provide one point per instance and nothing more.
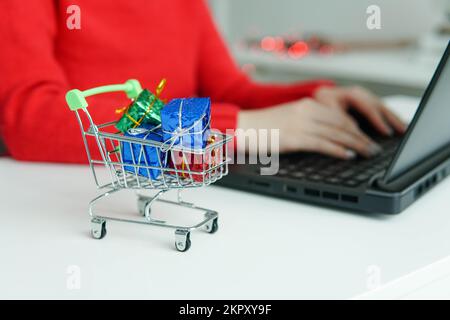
(76, 99)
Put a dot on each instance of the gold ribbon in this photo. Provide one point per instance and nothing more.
(124, 110)
(211, 139)
(183, 165)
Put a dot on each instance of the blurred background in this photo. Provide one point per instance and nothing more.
(291, 40)
(288, 40)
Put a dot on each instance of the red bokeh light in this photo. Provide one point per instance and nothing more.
(268, 43)
(279, 44)
(298, 49)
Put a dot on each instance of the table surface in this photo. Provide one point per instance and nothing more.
(266, 248)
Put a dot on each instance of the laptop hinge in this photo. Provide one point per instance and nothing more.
(413, 174)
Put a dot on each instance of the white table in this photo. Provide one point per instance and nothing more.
(265, 247)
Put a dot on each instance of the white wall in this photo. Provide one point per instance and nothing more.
(344, 19)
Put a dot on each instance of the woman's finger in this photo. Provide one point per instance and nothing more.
(393, 120)
(327, 147)
(335, 117)
(359, 143)
(343, 121)
(369, 107)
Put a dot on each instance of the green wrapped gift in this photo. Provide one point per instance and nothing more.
(146, 109)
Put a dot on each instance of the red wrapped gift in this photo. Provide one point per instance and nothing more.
(191, 162)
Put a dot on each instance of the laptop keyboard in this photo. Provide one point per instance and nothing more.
(349, 173)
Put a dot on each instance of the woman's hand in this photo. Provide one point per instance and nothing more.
(365, 103)
(307, 125)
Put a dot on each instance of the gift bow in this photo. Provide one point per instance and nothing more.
(124, 110)
(180, 131)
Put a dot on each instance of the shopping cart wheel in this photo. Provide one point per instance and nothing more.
(142, 203)
(212, 226)
(182, 240)
(98, 228)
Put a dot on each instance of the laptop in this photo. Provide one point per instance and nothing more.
(408, 167)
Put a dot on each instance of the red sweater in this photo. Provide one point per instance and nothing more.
(41, 59)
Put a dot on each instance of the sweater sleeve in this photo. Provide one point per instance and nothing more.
(35, 122)
(222, 80)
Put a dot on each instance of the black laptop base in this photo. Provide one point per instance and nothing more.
(365, 198)
(406, 169)
(348, 184)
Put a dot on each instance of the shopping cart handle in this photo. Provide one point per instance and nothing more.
(76, 99)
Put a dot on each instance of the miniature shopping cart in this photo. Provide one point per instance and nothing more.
(126, 175)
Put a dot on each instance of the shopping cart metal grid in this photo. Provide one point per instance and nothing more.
(137, 173)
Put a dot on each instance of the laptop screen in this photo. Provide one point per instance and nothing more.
(430, 129)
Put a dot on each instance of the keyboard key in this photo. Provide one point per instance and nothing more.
(315, 177)
(283, 172)
(297, 175)
(326, 173)
(351, 183)
(347, 173)
(362, 177)
(333, 180)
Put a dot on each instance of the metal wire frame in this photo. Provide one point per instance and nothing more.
(129, 174)
(137, 174)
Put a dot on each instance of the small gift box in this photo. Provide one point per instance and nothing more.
(195, 165)
(143, 155)
(186, 122)
(146, 109)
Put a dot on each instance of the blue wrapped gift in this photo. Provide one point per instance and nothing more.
(138, 154)
(186, 122)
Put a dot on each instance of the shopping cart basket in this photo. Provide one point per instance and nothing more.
(127, 174)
